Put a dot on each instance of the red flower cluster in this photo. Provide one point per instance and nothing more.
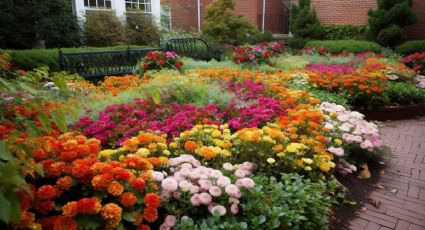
(257, 54)
(157, 60)
(415, 61)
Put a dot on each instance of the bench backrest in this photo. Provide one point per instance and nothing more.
(94, 65)
(195, 48)
(97, 64)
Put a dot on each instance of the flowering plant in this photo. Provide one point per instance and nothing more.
(116, 192)
(415, 61)
(252, 55)
(158, 60)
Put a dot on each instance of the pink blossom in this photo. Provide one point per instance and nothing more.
(219, 209)
(216, 173)
(223, 181)
(240, 173)
(247, 183)
(164, 226)
(205, 184)
(195, 200)
(205, 198)
(228, 167)
(336, 151)
(185, 185)
(157, 176)
(169, 184)
(170, 220)
(231, 189)
(234, 209)
(215, 191)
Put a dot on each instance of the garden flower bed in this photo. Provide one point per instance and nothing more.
(209, 148)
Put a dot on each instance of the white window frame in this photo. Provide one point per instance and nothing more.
(146, 3)
(97, 7)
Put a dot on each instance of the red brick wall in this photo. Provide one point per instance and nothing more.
(417, 30)
(353, 12)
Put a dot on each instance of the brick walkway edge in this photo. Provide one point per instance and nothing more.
(403, 194)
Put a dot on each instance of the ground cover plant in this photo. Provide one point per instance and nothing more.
(199, 148)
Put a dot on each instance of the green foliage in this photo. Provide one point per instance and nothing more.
(344, 32)
(326, 96)
(30, 59)
(411, 47)
(102, 28)
(404, 93)
(254, 38)
(222, 26)
(141, 30)
(291, 202)
(297, 43)
(303, 24)
(290, 62)
(385, 24)
(12, 165)
(191, 64)
(352, 46)
(24, 22)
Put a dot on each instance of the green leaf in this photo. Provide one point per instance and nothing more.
(45, 121)
(15, 209)
(58, 117)
(32, 128)
(38, 169)
(4, 152)
(6, 86)
(128, 216)
(5, 207)
(156, 96)
(88, 222)
(60, 82)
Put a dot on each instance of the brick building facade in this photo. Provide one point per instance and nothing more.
(184, 13)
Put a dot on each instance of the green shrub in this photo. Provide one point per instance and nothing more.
(140, 29)
(222, 26)
(102, 28)
(30, 59)
(404, 93)
(254, 38)
(411, 47)
(303, 23)
(353, 46)
(344, 32)
(297, 43)
(385, 24)
(326, 96)
(290, 202)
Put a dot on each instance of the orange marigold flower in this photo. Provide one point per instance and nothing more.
(44, 206)
(144, 138)
(143, 227)
(190, 146)
(115, 188)
(150, 214)
(47, 192)
(64, 183)
(128, 199)
(152, 200)
(111, 211)
(70, 209)
(138, 218)
(89, 206)
(27, 219)
(138, 184)
(64, 223)
(100, 182)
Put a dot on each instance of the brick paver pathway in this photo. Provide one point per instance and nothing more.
(403, 194)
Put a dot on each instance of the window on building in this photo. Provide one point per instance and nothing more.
(142, 5)
(96, 4)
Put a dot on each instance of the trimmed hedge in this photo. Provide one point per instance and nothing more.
(411, 47)
(353, 46)
(30, 59)
(344, 32)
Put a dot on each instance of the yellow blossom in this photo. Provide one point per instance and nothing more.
(307, 168)
(106, 152)
(281, 154)
(338, 142)
(144, 152)
(307, 160)
(166, 152)
(173, 145)
(121, 157)
(216, 133)
(271, 160)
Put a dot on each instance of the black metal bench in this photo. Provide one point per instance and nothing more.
(94, 65)
(195, 48)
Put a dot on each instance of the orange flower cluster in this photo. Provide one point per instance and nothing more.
(116, 84)
(71, 160)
